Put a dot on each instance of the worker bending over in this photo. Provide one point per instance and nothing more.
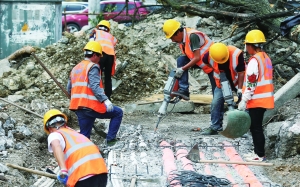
(193, 45)
(228, 60)
(80, 161)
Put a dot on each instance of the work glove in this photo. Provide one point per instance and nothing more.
(242, 105)
(62, 176)
(179, 72)
(109, 105)
(239, 94)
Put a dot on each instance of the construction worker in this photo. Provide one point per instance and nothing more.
(88, 100)
(108, 61)
(228, 60)
(80, 161)
(193, 44)
(257, 90)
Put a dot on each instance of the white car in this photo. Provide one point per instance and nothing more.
(74, 7)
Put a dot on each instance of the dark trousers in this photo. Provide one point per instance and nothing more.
(256, 129)
(106, 63)
(94, 181)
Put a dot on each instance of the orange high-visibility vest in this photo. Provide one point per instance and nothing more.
(204, 48)
(233, 60)
(108, 43)
(82, 157)
(263, 96)
(81, 93)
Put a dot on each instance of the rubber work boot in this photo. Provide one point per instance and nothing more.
(209, 131)
(111, 142)
(183, 94)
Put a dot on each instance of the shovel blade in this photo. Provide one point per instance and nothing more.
(237, 125)
(115, 83)
(194, 154)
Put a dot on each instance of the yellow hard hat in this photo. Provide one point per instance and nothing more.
(93, 46)
(170, 27)
(50, 114)
(255, 37)
(219, 53)
(104, 23)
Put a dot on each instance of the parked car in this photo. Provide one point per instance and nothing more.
(74, 7)
(110, 10)
(75, 22)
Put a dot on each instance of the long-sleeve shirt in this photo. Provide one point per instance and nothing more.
(251, 79)
(94, 83)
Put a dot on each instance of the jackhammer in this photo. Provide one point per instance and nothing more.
(169, 87)
(227, 92)
(238, 121)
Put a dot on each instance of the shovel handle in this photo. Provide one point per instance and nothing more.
(236, 162)
(133, 181)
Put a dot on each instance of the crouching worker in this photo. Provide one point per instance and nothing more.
(88, 99)
(80, 161)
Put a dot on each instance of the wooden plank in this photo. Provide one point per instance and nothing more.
(196, 98)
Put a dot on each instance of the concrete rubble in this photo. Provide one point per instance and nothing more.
(148, 55)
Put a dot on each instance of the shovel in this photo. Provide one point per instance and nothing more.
(238, 122)
(194, 156)
(114, 81)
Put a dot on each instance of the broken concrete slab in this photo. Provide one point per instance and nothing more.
(271, 133)
(183, 106)
(5, 66)
(289, 91)
(287, 142)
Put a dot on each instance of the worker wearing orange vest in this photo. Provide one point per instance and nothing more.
(88, 100)
(108, 60)
(230, 60)
(80, 161)
(193, 44)
(258, 91)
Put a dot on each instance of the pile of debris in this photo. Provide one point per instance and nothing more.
(148, 55)
(142, 47)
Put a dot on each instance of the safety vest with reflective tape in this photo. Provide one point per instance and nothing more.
(81, 92)
(233, 60)
(107, 42)
(263, 96)
(82, 157)
(205, 48)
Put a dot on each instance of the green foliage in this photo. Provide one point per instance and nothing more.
(99, 17)
(94, 22)
(110, 8)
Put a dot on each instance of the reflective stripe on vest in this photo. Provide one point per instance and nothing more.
(81, 93)
(82, 157)
(263, 96)
(107, 41)
(204, 48)
(233, 63)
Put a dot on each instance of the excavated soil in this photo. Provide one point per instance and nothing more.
(143, 48)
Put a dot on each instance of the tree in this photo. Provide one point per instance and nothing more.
(246, 12)
(94, 7)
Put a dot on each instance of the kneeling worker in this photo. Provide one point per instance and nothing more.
(88, 99)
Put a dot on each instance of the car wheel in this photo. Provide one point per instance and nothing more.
(73, 27)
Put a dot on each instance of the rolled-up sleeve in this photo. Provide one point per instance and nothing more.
(94, 83)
